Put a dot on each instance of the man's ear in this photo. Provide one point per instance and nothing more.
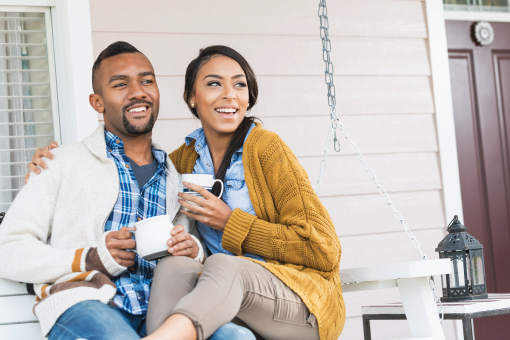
(96, 101)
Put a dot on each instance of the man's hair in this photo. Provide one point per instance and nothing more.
(118, 47)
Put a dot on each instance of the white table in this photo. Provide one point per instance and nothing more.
(495, 304)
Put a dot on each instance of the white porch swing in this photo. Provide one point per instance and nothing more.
(413, 279)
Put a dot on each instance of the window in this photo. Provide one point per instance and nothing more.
(27, 95)
(477, 5)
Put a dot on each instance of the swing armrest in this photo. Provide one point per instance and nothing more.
(386, 276)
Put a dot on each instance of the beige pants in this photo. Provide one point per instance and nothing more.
(224, 288)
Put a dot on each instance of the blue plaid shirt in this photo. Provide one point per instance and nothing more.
(134, 204)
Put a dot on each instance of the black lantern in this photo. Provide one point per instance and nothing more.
(467, 280)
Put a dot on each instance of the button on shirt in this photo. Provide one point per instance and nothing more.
(235, 193)
(135, 204)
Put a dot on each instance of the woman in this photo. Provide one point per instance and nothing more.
(275, 253)
(287, 278)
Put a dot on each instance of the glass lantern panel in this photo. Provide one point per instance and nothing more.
(457, 275)
(444, 281)
(468, 270)
(477, 265)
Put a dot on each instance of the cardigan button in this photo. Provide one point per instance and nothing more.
(127, 166)
(117, 141)
(139, 218)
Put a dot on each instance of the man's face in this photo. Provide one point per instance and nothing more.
(129, 94)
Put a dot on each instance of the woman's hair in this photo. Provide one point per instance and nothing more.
(196, 64)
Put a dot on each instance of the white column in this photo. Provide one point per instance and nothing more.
(73, 41)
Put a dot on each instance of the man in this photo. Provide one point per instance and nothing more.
(68, 230)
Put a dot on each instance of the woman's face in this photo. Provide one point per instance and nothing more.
(221, 95)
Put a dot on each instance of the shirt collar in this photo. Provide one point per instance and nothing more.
(199, 136)
(115, 143)
(112, 141)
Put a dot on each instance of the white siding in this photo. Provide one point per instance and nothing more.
(380, 53)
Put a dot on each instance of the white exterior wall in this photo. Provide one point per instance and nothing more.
(384, 93)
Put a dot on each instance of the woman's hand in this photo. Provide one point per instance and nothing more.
(37, 159)
(181, 243)
(212, 211)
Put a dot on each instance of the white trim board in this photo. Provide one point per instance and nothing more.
(444, 109)
(477, 16)
(27, 9)
(73, 64)
(39, 3)
(57, 131)
(440, 69)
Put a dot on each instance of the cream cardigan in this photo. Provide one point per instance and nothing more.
(53, 233)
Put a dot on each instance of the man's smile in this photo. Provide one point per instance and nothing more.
(139, 110)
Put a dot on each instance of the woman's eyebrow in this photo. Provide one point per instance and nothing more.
(239, 76)
(213, 76)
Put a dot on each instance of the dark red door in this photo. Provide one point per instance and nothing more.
(480, 77)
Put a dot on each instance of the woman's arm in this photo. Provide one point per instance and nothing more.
(291, 226)
(310, 242)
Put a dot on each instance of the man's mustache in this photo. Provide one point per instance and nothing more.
(126, 107)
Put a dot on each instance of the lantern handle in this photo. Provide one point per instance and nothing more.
(455, 218)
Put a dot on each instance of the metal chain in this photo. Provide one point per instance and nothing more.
(337, 124)
(328, 77)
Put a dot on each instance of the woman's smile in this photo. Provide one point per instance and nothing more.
(227, 112)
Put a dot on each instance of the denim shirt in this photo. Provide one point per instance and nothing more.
(235, 193)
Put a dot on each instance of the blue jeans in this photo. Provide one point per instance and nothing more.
(93, 320)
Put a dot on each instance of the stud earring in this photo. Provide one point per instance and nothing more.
(193, 105)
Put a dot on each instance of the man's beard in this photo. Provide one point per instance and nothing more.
(138, 130)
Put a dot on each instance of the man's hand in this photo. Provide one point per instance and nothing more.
(117, 242)
(37, 159)
(181, 243)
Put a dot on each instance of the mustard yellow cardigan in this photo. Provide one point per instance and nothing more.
(292, 230)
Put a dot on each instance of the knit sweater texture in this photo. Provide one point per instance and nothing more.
(292, 230)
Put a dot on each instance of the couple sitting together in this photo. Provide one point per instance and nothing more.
(260, 262)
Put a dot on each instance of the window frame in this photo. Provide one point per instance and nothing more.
(69, 36)
(51, 61)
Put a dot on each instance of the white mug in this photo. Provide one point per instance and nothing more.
(151, 236)
(204, 180)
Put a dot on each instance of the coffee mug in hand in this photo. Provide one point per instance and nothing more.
(151, 236)
(204, 180)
